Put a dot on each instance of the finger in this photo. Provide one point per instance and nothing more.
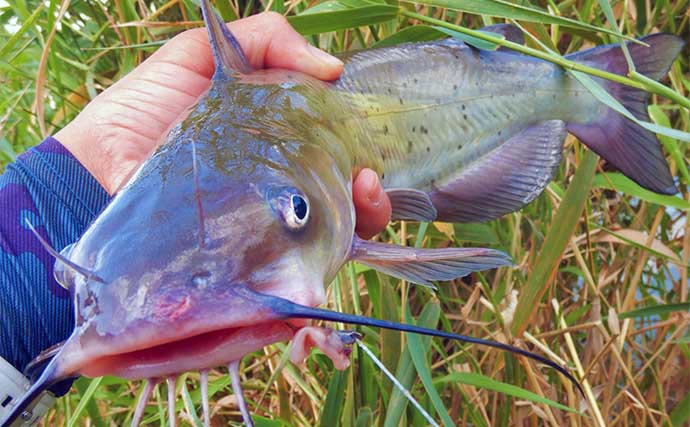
(267, 40)
(371, 204)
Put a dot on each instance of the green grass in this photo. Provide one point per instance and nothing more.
(602, 276)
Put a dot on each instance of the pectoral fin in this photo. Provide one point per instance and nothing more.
(506, 179)
(422, 266)
(411, 205)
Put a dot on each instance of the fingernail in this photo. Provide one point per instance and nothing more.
(374, 190)
(325, 59)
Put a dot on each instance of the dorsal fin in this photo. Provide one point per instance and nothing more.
(509, 31)
(227, 52)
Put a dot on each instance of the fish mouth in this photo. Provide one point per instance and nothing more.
(195, 353)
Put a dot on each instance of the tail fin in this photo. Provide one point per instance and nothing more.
(632, 149)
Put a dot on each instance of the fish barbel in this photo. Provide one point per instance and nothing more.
(223, 240)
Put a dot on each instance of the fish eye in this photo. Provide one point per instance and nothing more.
(300, 207)
(298, 212)
(290, 205)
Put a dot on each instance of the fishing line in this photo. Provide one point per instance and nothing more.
(397, 384)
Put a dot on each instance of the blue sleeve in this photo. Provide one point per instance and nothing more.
(51, 189)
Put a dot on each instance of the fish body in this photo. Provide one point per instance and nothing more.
(456, 122)
(227, 235)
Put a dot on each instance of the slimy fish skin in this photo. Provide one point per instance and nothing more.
(223, 240)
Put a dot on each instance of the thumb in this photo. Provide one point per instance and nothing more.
(372, 205)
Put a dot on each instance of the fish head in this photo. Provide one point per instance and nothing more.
(239, 201)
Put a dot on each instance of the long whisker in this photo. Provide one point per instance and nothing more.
(171, 401)
(288, 309)
(143, 400)
(89, 275)
(204, 397)
(234, 368)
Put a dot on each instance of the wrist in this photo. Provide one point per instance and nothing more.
(83, 145)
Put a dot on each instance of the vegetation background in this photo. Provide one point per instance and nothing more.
(601, 282)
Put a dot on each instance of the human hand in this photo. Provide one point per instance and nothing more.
(122, 126)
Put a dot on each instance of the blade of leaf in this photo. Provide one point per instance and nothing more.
(478, 380)
(505, 9)
(558, 237)
(405, 372)
(602, 95)
(655, 310)
(619, 182)
(322, 22)
(332, 408)
(670, 144)
(9, 44)
(415, 346)
(416, 33)
(83, 401)
(681, 413)
(470, 40)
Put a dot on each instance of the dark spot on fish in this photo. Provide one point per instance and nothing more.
(463, 107)
(383, 158)
(455, 87)
(423, 130)
(389, 90)
(499, 133)
(428, 149)
(401, 101)
(553, 96)
(404, 84)
(385, 129)
(459, 147)
(414, 80)
(383, 175)
(409, 146)
(464, 116)
(414, 129)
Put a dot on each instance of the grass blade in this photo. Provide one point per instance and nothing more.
(479, 380)
(505, 9)
(415, 346)
(558, 237)
(405, 372)
(619, 182)
(322, 22)
(655, 310)
(83, 401)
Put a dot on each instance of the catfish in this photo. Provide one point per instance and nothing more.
(223, 241)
